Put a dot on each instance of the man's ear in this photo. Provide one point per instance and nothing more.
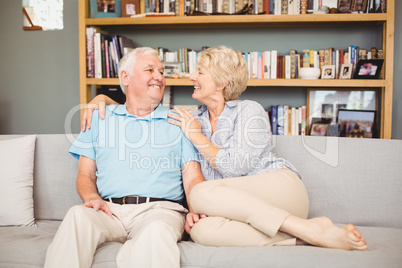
(124, 77)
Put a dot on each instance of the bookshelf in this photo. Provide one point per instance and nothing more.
(386, 20)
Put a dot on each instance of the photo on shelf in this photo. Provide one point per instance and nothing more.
(344, 6)
(358, 6)
(130, 7)
(171, 68)
(368, 69)
(328, 72)
(356, 124)
(346, 71)
(325, 103)
(318, 129)
(105, 8)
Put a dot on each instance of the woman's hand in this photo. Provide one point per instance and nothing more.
(191, 219)
(99, 102)
(186, 121)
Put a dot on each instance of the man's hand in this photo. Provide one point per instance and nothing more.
(98, 204)
(99, 102)
(191, 219)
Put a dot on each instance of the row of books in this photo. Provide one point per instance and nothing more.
(275, 7)
(104, 53)
(295, 7)
(272, 65)
(287, 120)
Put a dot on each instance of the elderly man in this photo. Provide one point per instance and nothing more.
(133, 167)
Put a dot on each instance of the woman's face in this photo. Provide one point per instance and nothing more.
(204, 85)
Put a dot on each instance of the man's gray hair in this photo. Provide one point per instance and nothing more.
(128, 61)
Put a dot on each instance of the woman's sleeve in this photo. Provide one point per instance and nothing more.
(249, 140)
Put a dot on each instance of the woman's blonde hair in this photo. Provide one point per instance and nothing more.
(226, 67)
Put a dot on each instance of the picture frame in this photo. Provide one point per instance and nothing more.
(368, 69)
(325, 103)
(171, 68)
(358, 6)
(357, 123)
(105, 8)
(345, 71)
(130, 7)
(344, 6)
(328, 72)
(318, 129)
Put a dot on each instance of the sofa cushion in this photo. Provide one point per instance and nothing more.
(16, 180)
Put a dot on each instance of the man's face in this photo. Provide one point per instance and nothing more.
(147, 83)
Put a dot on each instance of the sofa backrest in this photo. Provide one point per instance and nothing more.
(350, 180)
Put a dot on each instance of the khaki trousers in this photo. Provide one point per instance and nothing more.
(248, 211)
(149, 233)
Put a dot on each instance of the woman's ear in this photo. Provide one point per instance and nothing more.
(222, 87)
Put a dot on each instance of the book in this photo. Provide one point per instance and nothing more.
(280, 120)
(90, 36)
(274, 56)
(274, 119)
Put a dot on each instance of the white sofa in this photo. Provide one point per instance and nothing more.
(350, 180)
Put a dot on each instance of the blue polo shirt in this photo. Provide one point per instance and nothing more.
(136, 155)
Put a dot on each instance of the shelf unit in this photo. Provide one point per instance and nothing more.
(262, 21)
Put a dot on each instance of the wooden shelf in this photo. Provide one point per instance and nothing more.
(267, 82)
(312, 20)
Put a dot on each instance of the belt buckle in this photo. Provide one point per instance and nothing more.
(136, 196)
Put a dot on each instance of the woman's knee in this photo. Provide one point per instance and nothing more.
(202, 193)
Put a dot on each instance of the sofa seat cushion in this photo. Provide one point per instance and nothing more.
(385, 251)
(25, 247)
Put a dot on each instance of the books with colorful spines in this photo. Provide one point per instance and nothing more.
(297, 65)
(274, 119)
(285, 119)
(267, 64)
(259, 66)
(284, 7)
(274, 62)
(311, 59)
(265, 6)
(107, 59)
(293, 122)
(326, 57)
(331, 57)
(103, 55)
(293, 53)
(303, 120)
(306, 58)
(90, 35)
(254, 60)
(321, 57)
(280, 121)
(279, 66)
(97, 55)
(287, 67)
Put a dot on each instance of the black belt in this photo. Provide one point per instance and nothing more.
(133, 199)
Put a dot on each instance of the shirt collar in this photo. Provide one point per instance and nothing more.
(228, 104)
(159, 112)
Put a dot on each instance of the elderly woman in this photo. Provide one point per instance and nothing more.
(251, 197)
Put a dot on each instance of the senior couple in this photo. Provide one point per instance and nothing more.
(249, 197)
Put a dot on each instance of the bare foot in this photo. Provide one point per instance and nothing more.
(323, 233)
